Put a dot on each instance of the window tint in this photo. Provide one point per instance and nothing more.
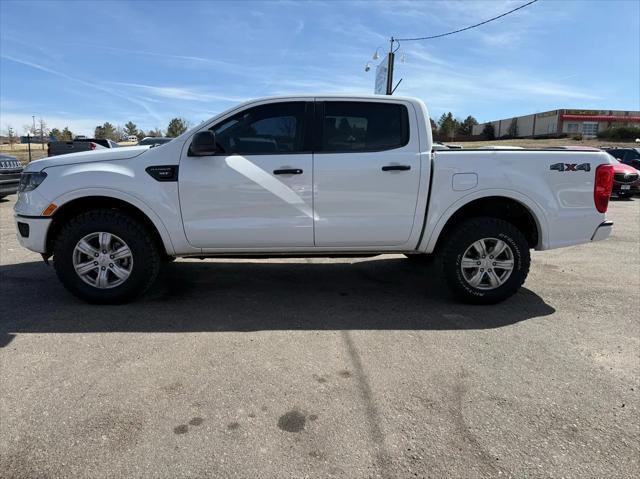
(632, 154)
(274, 128)
(364, 126)
(619, 154)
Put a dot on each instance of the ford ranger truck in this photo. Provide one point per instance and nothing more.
(309, 176)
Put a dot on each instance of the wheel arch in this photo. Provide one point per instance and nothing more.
(523, 214)
(136, 209)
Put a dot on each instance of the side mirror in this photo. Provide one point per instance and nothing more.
(203, 144)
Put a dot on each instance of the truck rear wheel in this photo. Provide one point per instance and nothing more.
(485, 260)
(105, 257)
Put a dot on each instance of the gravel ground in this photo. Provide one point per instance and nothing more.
(350, 368)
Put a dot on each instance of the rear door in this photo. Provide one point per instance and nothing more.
(366, 173)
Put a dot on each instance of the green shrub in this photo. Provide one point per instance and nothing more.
(577, 137)
(620, 133)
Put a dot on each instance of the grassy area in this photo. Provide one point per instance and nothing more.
(21, 152)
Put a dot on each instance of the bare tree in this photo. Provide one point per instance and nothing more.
(43, 131)
(11, 135)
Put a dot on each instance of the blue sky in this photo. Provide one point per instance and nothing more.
(81, 63)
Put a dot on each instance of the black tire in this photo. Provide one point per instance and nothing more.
(146, 257)
(462, 237)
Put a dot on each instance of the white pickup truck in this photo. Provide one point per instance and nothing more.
(303, 176)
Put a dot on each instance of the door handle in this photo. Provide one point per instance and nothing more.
(288, 171)
(396, 168)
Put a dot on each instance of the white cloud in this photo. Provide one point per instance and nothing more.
(81, 81)
(180, 93)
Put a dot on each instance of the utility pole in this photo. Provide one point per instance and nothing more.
(390, 60)
(33, 128)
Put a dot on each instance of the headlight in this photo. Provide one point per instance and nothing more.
(30, 181)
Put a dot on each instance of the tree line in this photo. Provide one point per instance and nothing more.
(107, 130)
(448, 127)
(176, 127)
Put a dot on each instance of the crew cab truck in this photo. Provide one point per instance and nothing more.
(309, 176)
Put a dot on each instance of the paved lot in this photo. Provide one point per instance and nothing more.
(340, 368)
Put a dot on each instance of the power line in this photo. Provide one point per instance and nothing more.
(466, 28)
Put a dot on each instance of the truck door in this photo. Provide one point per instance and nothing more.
(366, 172)
(256, 192)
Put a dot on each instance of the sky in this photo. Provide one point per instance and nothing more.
(79, 64)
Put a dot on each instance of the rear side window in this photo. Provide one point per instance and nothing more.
(363, 126)
(275, 128)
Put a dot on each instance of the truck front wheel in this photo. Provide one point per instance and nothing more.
(105, 257)
(485, 260)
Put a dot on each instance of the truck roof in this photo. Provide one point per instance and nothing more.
(358, 96)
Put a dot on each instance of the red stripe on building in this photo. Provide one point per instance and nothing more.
(626, 119)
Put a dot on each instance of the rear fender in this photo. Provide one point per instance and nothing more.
(435, 224)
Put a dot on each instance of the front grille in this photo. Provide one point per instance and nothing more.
(9, 176)
(10, 164)
(625, 177)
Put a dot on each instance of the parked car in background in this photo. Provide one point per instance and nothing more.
(56, 148)
(628, 156)
(626, 179)
(132, 138)
(10, 170)
(268, 178)
(154, 141)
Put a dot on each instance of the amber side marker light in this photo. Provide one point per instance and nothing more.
(48, 211)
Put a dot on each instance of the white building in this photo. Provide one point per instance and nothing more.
(557, 122)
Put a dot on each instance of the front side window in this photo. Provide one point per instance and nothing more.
(275, 128)
(363, 126)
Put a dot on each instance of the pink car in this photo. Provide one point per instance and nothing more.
(626, 179)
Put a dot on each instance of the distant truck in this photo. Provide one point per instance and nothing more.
(56, 148)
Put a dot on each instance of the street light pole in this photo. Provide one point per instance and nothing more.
(29, 144)
(390, 61)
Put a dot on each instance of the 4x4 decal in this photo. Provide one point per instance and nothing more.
(571, 167)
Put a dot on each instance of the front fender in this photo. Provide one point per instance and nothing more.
(128, 198)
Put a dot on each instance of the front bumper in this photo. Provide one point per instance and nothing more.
(626, 188)
(603, 231)
(32, 232)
